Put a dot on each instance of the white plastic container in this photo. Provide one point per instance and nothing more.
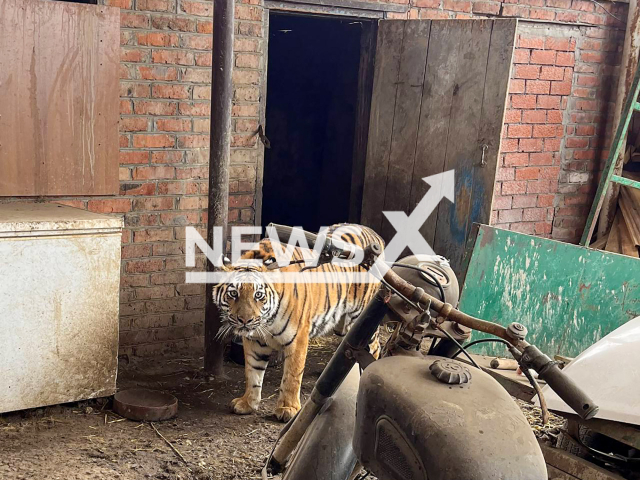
(59, 295)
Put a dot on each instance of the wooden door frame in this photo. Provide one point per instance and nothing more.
(367, 48)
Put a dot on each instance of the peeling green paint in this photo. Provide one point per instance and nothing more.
(568, 296)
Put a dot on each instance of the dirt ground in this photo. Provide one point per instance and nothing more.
(87, 440)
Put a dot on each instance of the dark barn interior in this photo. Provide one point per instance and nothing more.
(312, 88)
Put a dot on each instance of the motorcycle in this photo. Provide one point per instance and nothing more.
(410, 416)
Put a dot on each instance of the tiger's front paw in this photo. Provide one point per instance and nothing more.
(242, 407)
(284, 414)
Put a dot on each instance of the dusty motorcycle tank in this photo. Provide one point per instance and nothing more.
(460, 426)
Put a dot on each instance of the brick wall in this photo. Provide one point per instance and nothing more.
(165, 105)
(559, 99)
(558, 108)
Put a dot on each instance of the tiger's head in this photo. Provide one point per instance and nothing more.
(247, 301)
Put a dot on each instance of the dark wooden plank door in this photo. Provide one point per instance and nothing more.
(438, 101)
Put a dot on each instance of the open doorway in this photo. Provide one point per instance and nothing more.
(311, 110)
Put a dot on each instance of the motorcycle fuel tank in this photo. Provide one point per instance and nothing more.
(434, 418)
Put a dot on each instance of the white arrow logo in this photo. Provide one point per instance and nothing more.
(408, 227)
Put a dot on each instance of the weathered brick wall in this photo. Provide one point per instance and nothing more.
(560, 96)
(559, 99)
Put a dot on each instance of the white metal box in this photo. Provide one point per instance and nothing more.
(59, 295)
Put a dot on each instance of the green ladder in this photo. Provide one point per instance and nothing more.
(631, 105)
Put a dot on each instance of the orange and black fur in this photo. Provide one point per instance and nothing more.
(284, 316)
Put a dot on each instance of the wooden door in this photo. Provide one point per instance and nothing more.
(438, 101)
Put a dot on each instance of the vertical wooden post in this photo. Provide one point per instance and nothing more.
(220, 150)
(628, 67)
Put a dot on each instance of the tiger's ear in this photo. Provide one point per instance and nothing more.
(224, 265)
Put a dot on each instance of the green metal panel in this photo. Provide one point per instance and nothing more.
(568, 296)
(625, 181)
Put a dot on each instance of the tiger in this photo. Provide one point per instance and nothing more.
(272, 316)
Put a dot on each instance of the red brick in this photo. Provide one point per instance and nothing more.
(134, 124)
(538, 86)
(506, 216)
(144, 266)
(588, 81)
(153, 204)
(153, 141)
(524, 42)
(202, 9)
(552, 144)
(551, 73)
(176, 57)
(156, 5)
(167, 156)
(137, 188)
(170, 91)
(158, 39)
(545, 200)
(522, 227)
(195, 109)
(133, 20)
(505, 174)
(528, 72)
(204, 59)
(491, 8)
(509, 145)
(567, 44)
(514, 188)
(530, 145)
(133, 55)
(554, 116)
(534, 116)
(153, 173)
(550, 173)
(197, 42)
(548, 102)
(519, 131)
(567, 17)
(586, 130)
(542, 14)
(524, 201)
(543, 57)
(527, 173)
(112, 205)
(534, 214)
(582, 5)
(151, 107)
(563, 4)
(516, 159)
(248, 12)
(428, 3)
(193, 141)
(173, 22)
(540, 186)
(173, 125)
(565, 59)
(153, 235)
(206, 26)
(540, 131)
(501, 203)
(541, 158)
(523, 101)
(588, 105)
(577, 142)
(516, 86)
(513, 116)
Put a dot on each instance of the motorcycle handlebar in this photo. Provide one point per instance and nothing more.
(531, 357)
(559, 382)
